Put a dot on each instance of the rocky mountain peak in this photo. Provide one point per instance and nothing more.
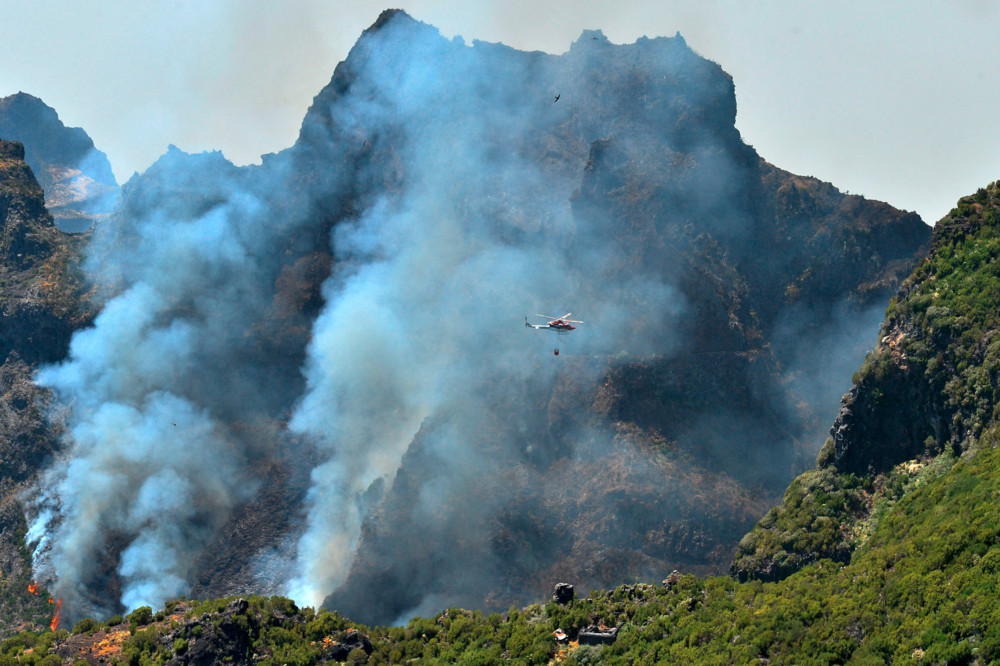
(590, 38)
(79, 185)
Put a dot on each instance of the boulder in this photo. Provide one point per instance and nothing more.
(563, 593)
(595, 635)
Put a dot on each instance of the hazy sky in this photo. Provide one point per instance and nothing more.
(894, 100)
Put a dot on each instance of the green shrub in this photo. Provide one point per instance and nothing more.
(141, 616)
(87, 624)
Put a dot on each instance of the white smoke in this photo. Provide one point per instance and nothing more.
(425, 305)
(133, 476)
(147, 470)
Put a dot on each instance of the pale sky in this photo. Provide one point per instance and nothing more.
(897, 100)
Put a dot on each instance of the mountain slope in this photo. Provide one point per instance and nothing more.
(313, 376)
(40, 305)
(921, 587)
(922, 591)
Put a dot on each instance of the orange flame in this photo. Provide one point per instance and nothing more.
(33, 587)
(111, 644)
(54, 624)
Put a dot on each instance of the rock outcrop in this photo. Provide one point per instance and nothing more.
(563, 593)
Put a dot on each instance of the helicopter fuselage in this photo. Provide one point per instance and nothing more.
(557, 325)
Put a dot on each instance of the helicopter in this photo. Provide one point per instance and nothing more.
(561, 325)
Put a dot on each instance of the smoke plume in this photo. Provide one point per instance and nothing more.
(431, 283)
(150, 468)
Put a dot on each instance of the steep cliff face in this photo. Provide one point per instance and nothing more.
(40, 305)
(926, 393)
(937, 356)
(39, 293)
(79, 187)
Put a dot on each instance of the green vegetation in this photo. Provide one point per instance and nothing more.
(807, 526)
(924, 395)
(31, 648)
(953, 306)
(86, 625)
(140, 616)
